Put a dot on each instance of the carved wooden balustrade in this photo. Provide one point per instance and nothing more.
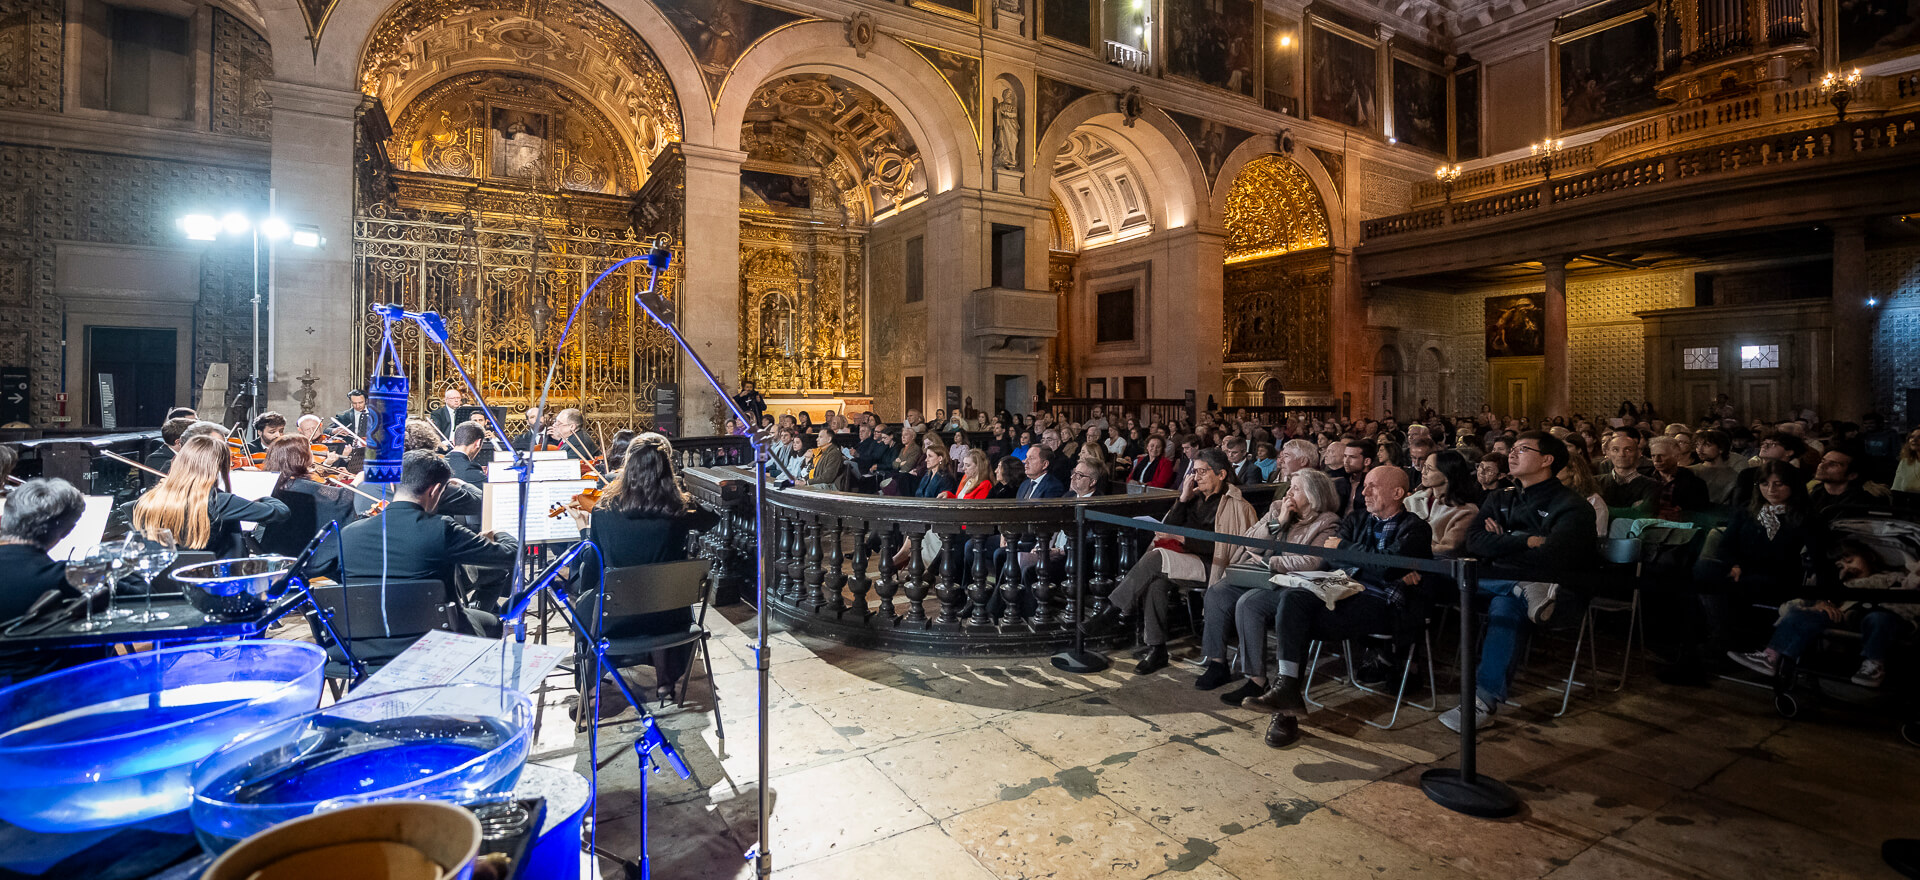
(960, 588)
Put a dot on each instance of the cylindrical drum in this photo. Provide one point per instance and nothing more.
(387, 428)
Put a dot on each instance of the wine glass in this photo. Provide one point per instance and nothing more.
(151, 553)
(119, 562)
(88, 574)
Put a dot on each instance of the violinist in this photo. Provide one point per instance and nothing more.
(535, 429)
(192, 501)
(355, 421)
(566, 434)
(446, 418)
(643, 518)
(171, 434)
(269, 427)
(310, 429)
(467, 439)
(311, 503)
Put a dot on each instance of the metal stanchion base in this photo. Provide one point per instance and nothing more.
(1483, 796)
(1081, 661)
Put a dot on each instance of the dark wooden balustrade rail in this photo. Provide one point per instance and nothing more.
(834, 572)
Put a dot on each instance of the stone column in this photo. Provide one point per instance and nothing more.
(1554, 374)
(709, 305)
(1190, 298)
(313, 180)
(1348, 333)
(1851, 386)
(957, 252)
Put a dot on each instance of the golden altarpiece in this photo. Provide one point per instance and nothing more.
(1277, 289)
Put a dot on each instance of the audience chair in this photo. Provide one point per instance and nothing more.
(1406, 673)
(378, 621)
(633, 591)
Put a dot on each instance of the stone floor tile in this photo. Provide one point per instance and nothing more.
(879, 717)
(1083, 731)
(1324, 844)
(1496, 850)
(1053, 834)
(1186, 793)
(957, 772)
(1324, 769)
(1724, 840)
(821, 811)
(1614, 860)
(927, 851)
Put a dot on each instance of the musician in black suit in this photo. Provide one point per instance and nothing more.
(467, 440)
(567, 434)
(356, 418)
(411, 540)
(447, 417)
(270, 426)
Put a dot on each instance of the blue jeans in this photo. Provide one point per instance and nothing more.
(1507, 628)
(1798, 630)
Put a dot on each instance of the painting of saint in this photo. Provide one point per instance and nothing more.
(1212, 41)
(1419, 107)
(719, 31)
(517, 140)
(1516, 326)
(771, 190)
(1609, 74)
(1343, 79)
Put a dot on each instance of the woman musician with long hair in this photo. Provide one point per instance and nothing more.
(194, 502)
(311, 503)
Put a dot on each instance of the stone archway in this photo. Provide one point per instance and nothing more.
(1278, 281)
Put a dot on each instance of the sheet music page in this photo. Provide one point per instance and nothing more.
(501, 509)
(87, 532)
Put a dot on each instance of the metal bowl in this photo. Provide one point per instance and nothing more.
(234, 589)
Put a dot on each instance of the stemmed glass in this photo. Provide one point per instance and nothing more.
(119, 562)
(89, 573)
(150, 554)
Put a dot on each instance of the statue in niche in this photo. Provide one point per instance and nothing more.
(1006, 130)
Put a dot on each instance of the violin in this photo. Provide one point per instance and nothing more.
(584, 501)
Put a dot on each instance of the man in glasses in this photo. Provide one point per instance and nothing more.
(1529, 535)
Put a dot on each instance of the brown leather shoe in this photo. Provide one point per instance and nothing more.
(1283, 731)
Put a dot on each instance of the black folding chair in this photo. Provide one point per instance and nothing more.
(378, 621)
(632, 592)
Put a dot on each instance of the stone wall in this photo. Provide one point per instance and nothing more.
(1893, 277)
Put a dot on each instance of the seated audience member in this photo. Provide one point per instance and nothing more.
(1715, 468)
(1209, 501)
(1681, 493)
(39, 514)
(1303, 514)
(1245, 470)
(1295, 456)
(976, 478)
(410, 540)
(1333, 459)
(1881, 624)
(1528, 535)
(1628, 491)
(1116, 443)
(1153, 468)
(1906, 474)
(1267, 459)
(1007, 476)
(871, 453)
(1087, 479)
(1392, 601)
(1060, 457)
(938, 479)
(1777, 446)
(1760, 556)
(1448, 500)
(1491, 472)
(1578, 475)
(1358, 459)
(193, 504)
(826, 464)
(1838, 484)
(1040, 482)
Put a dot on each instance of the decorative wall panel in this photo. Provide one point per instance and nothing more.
(1893, 277)
(1280, 309)
(94, 197)
(30, 52)
(242, 66)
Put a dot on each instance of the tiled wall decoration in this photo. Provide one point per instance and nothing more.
(1893, 279)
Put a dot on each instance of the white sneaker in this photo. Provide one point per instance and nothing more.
(1482, 716)
(1540, 597)
(1870, 674)
(1758, 661)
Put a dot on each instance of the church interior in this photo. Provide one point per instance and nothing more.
(1199, 221)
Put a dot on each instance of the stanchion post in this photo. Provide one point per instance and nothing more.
(1079, 659)
(1464, 790)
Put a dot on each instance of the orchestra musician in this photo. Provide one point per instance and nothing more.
(192, 501)
(310, 428)
(310, 502)
(269, 427)
(467, 439)
(171, 433)
(535, 428)
(643, 517)
(566, 434)
(356, 419)
(412, 539)
(38, 516)
(446, 418)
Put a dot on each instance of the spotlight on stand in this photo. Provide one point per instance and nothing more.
(307, 237)
(200, 227)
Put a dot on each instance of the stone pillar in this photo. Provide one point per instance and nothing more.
(1851, 393)
(1554, 374)
(1190, 297)
(709, 305)
(313, 180)
(1348, 333)
(957, 254)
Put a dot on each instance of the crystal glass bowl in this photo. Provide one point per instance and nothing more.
(115, 741)
(232, 589)
(455, 743)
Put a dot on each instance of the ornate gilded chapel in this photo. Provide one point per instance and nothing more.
(887, 205)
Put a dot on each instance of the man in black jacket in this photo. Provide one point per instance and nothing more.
(409, 540)
(467, 438)
(1529, 535)
(1393, 601)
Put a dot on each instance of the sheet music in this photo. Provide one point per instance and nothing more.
(254, 485)
(501, 509)
(441, 658)
(87, 532)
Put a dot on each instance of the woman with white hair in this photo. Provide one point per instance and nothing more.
(1306, 514)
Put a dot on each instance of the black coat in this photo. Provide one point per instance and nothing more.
(624, 540)
(310, 507)
(409, 543)
(227, 511)
(1413, 538)
(1763, 560)
(465, 468)
(30, 573)
(357, 421)
(1548, 509)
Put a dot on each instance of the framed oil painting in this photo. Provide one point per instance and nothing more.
(1516, 325)
(1607, 71)
(1342, 79)
(1419, 106)
(1212, 41)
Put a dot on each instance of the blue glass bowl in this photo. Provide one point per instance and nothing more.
(455, 743)
(115, 741)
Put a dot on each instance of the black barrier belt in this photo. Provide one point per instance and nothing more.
(1352, 557)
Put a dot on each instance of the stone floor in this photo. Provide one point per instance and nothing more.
(942, 769)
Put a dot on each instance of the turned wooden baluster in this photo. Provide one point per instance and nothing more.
(834, 578)
(1009, 575)
(860, 581)
(979, 592)
(816, 537)
(1099, 583)
(782, 573)
(1070, 612)
(797, 557)
(916, 580)
(1040, 584)
(951, 588)
(889, 585)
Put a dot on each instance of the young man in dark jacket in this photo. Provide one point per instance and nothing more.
(1528, 536)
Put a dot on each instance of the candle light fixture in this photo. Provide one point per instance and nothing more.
(1544, 151)
(1838, 87)
(1447, 174)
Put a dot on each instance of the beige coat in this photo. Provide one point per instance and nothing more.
(1448, 521)
(1312, 532)
(1234, 516)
